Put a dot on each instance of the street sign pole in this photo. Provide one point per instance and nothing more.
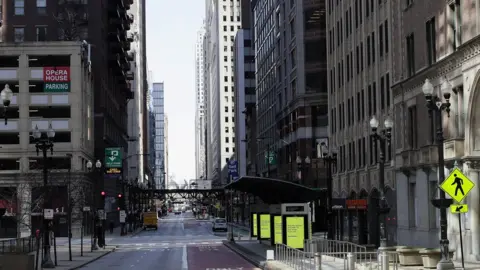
(461, 239)
(460, 209)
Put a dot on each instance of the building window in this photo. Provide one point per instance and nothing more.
(41, 33)
(356, 14)
(387, 87)
(367, 10)
(385, 28)
(370, 111)
(373, 47)
(19, 33)
(42, 7)
(412, 132)
(431, 43)
(226, 109)
(19, 7)
(362, 102)
(410, 55)
(368, 51)
(380, 41)
(455, 23)
(382, 93)
(227, 149)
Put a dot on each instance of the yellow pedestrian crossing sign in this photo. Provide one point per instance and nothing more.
(459, 208)
(457, 185)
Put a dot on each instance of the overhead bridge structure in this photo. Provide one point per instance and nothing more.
(215, 193)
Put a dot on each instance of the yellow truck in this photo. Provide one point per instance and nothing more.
(150, 220)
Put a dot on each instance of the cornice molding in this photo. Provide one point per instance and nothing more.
(440, 69)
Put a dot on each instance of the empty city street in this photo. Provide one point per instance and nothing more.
(180, 243)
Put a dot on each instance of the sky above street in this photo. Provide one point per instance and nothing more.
(171, 35)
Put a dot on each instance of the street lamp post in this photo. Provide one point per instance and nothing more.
(43, 142)
(383, 138)
(96, 218)
(302, 166)
(330, 160)
(6, 96)
(435, 107)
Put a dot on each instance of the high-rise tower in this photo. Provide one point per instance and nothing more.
(200, 126)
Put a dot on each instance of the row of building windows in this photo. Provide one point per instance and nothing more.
(371, 99)
(354, 154)
(359, 57)
(19, 7)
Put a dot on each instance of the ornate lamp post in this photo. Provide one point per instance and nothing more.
(435, 107)
(43, 142)
(6, 96)
(382, 137)
(302, 166)
(96, 218)
(330, 161)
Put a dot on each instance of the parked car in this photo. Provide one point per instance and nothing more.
(219, 224)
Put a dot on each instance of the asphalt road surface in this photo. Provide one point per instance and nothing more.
(180, 243)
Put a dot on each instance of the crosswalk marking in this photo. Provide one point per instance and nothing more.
(165, 244)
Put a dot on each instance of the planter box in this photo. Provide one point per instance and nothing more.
(391, 251)
(17, 262)
(431, 256)
(409, 256)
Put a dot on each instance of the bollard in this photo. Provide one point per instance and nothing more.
(351, 261)
(313, 247)
(317, 258)
(384, 261)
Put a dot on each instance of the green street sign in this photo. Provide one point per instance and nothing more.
(270, 159)
(113, 157)
(56, 87)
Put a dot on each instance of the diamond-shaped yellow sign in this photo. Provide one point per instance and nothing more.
(457, 185)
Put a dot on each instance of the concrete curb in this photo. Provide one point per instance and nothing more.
(135, 233)
(259, 264)
(93, 260)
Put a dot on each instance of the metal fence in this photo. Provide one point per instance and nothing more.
(332, 246)
(297, 259)
(22, 245)
(336, 255)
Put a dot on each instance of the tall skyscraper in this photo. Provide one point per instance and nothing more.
(165, 152)
(222, 21)
(159, 111)
(359, 66)
(200, 126)
(137, 108)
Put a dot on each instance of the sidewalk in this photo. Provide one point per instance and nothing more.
(63, 241)
(256, 252)
(63, 262)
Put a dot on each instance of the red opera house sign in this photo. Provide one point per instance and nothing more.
(56, 74)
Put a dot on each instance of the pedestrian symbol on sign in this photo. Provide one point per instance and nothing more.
(459, 182)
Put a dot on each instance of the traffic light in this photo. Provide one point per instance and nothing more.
(119, 196)
(118, 208)
(103, 193)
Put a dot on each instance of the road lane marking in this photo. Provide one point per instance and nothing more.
(184, 258)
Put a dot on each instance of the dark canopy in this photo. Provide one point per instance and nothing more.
(274, 191)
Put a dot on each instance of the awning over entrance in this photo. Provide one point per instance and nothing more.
(274, 191)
